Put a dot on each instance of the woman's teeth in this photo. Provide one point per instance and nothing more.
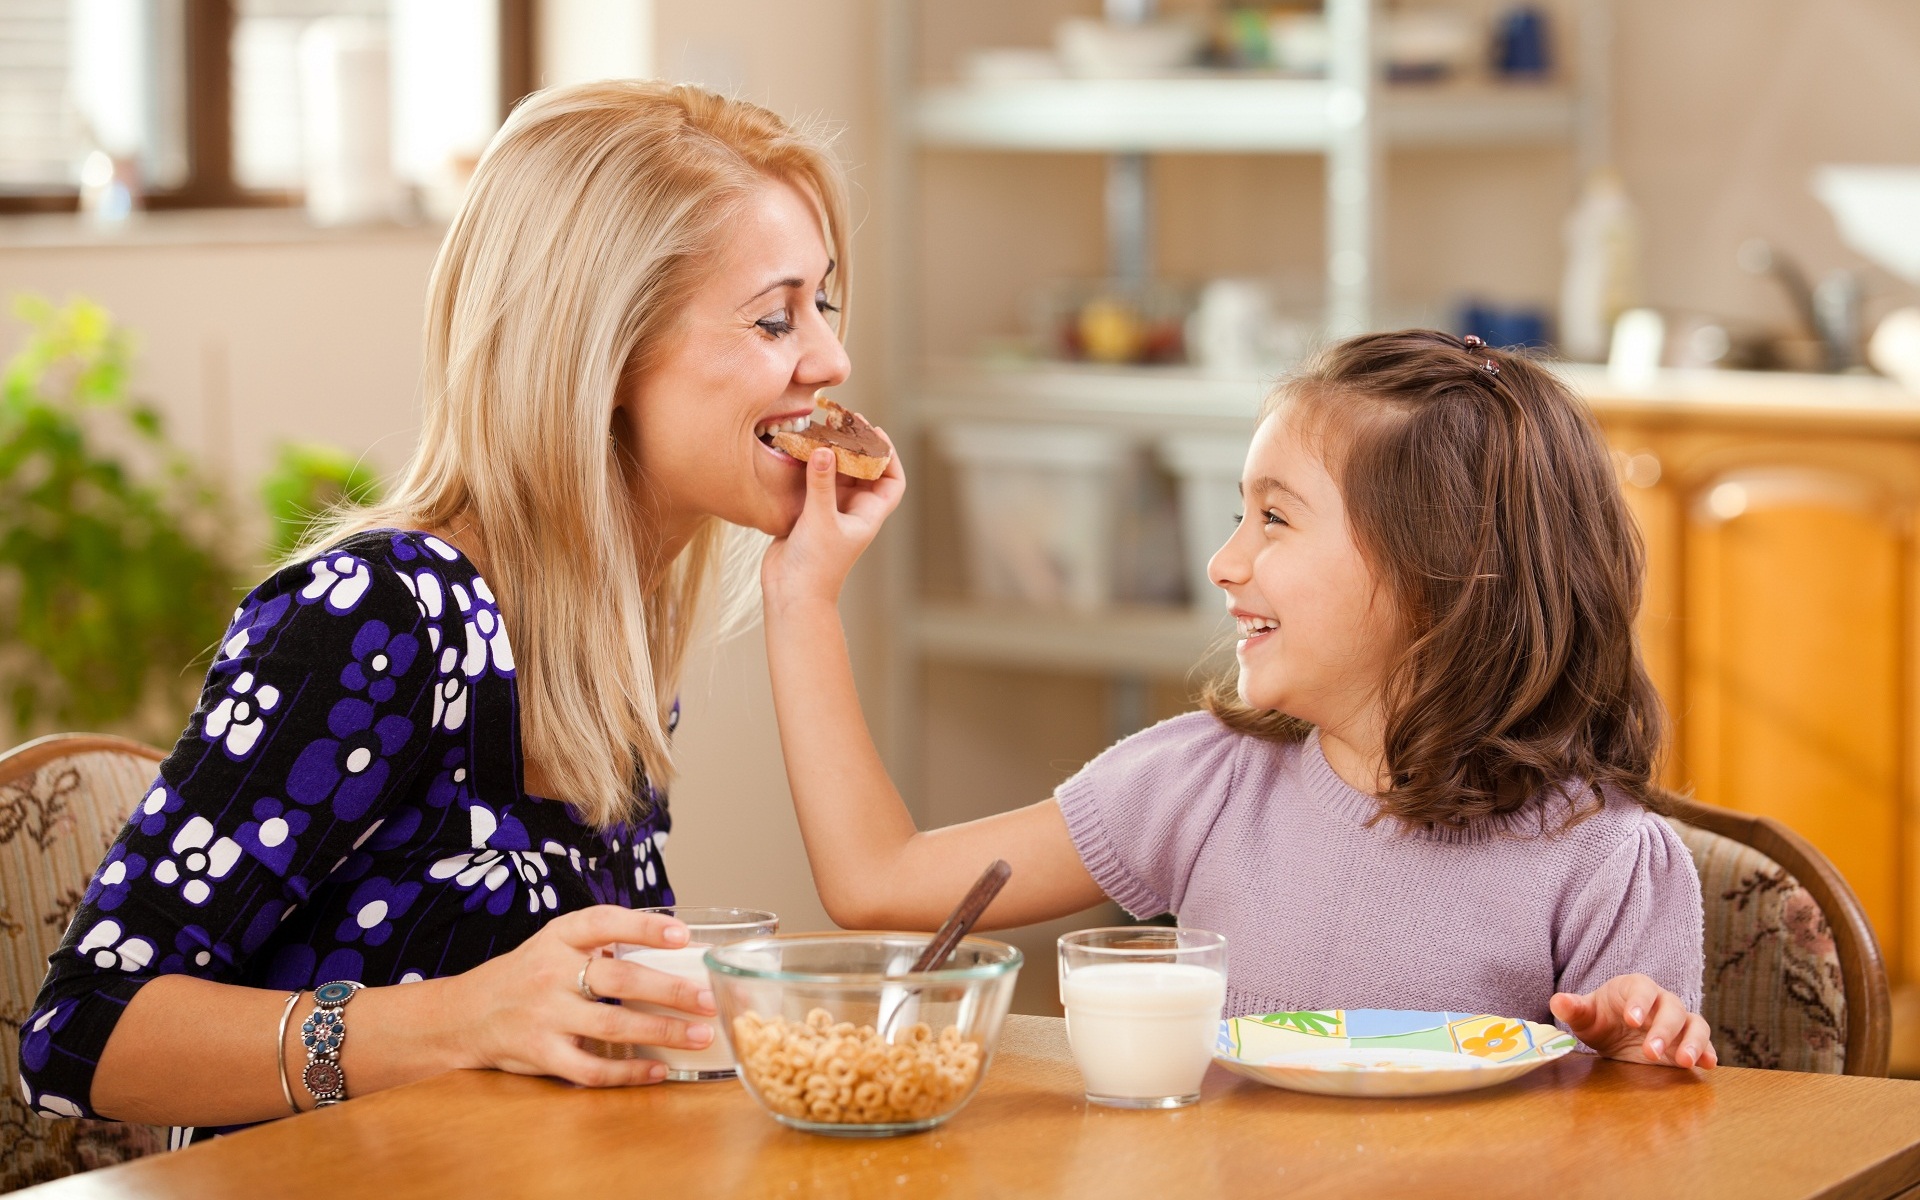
(1249, 626)
(766, 429)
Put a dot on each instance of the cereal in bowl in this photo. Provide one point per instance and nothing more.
(842, 1074)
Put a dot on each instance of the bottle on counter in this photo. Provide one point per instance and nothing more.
(1603, 267)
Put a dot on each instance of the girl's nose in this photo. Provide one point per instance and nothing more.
(1230, 566)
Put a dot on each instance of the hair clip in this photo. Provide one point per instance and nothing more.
(1474, 341)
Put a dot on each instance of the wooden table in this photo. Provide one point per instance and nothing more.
(1579, 1127)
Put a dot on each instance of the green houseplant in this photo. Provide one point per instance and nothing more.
(114, 575)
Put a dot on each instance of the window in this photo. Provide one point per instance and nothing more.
(212, 103)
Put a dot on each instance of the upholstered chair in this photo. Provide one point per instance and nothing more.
(63, 800)
(1794, 978)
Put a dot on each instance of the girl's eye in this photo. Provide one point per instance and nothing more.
(1274, 518)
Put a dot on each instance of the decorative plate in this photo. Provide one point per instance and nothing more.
(1385, 1052)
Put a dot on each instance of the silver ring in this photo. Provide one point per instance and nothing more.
(586, 992)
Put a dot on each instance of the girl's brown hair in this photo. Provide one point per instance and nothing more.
(1484, 500)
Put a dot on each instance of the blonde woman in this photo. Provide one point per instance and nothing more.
(425, 782)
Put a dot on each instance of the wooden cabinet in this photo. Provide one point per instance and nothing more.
(1782, 622)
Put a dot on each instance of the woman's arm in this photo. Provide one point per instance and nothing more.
(189, 1051)
(871, 866)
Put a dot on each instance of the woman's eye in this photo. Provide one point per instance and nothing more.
(821, 302)
(775, 326)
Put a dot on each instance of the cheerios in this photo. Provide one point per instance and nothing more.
(841, 1074)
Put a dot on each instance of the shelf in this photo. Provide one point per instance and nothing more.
(1163, 643)
(1139, 399)
(1226, 114)
(1158, 400)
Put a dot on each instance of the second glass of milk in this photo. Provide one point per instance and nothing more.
(706, 928)
(1143, 1011)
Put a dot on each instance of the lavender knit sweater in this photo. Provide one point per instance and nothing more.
(1264, 843)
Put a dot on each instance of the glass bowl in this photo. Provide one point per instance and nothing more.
(833, 1034)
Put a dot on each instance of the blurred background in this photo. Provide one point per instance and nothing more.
(1089, 238)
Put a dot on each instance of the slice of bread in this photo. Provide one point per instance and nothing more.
(858, 448)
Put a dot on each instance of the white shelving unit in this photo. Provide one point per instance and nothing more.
(1348, 117)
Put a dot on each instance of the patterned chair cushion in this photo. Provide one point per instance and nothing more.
(1774, 992)
(55, 825)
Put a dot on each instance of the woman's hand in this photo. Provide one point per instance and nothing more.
(839, 521)
(523, 1011)
(1633, 1018)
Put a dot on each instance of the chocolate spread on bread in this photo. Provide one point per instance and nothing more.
(858, 449)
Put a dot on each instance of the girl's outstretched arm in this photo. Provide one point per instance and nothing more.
(872, 867)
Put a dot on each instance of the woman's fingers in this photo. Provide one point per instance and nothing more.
(567, 1060)
(631, 1027)
(589, 929)
(621, 980)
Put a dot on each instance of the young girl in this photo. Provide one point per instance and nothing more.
(1428, 785)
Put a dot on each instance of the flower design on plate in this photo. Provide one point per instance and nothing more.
(350, 768)
(108, 947)
(115, 877)
(199, 860)
(195, 952)
(379, 656)
(272, 834)
(153, 810)
(251, 623)
(372, 909)
(1498, 1039)
(339, 581)
(237, 720)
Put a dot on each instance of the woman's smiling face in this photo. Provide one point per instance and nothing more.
(1317, 636)
(756, 341)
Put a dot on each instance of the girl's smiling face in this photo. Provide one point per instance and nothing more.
(1317, 633)
(756, 341)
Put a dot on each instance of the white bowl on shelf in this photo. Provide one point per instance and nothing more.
(1094, 49)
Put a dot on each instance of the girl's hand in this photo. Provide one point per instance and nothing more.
(1633, 1018)
(523, 1011)
(840, 519)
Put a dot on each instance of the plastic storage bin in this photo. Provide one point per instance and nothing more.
(1039, 506)
(1208, 467)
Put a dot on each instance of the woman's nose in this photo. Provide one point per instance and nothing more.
(825, 362)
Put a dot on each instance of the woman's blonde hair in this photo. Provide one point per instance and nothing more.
(583, 233)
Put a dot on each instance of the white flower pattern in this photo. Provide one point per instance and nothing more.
(338, 579)
(107, 947)
(198, 858)
(240, 716)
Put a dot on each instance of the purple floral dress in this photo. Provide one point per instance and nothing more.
(345, 803)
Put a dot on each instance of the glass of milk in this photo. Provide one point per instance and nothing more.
(1143, 1010)
(706, 928)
